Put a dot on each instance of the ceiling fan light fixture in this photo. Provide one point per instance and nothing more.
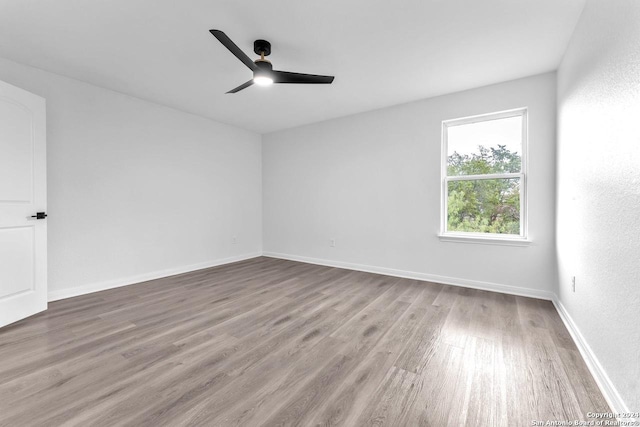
(263, 75)
(263, 80)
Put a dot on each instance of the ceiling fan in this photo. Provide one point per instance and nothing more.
(263, 72)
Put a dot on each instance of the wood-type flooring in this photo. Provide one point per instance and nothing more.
(274, 342)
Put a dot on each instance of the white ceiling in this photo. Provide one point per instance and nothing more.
(381, 52)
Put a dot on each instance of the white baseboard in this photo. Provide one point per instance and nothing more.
(607, 388)
(110, 284)
(475, 284)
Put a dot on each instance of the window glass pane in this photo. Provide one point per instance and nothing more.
(484, 206)
(492, 146)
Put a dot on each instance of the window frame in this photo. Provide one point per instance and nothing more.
(489, 238)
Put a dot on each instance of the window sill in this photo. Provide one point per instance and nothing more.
(485, 240)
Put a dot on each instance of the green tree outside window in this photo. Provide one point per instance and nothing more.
(484, 205)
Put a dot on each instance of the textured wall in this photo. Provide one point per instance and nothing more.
(372, 182)
(135, 188)
(598, 206)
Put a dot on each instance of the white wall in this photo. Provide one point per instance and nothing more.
(598, 204)
(138, 190)
(372, 182)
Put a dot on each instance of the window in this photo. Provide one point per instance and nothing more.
(483, 176)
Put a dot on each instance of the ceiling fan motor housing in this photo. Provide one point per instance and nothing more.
(262, 47)
(264, 68)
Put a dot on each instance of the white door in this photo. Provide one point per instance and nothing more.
(23, 193)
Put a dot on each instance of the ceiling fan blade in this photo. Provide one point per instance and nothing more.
(226, 41)
(288, 77)
(242, 86)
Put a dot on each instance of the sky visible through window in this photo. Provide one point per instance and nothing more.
(465, 139)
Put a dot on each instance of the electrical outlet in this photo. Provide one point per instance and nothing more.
(332, 243)
(234, 240)
(573, 283)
